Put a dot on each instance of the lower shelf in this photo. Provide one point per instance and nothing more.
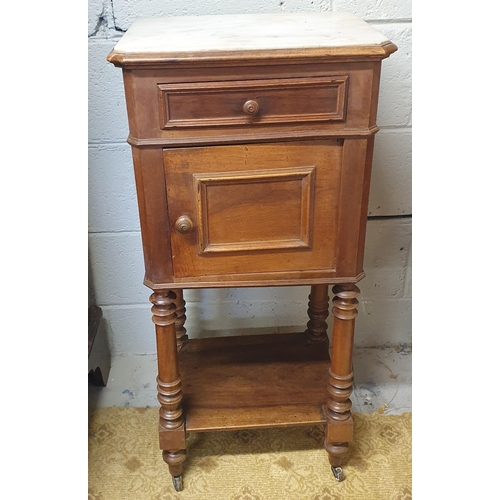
(232, 383)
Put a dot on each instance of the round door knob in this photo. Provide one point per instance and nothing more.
(251, 107)
(184, 224)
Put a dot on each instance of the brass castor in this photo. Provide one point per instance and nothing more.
(177, 480)
(338, 473)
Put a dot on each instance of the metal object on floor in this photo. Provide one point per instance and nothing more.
(177, 480)
(338, 473)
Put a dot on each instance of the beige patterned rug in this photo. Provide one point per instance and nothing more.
(281, 464)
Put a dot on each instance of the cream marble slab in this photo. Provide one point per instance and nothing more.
(247, 32)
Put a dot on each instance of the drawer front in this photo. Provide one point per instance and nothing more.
(213, 104)
(256, 208)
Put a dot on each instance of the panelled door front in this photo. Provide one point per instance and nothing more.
(253, 208)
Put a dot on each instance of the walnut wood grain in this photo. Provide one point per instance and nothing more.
(353, 205)
(284, 134)
(253, 381)
(257, 280)
(273, 207)
(260, 212)
(251, 107)
(172, 421)
(147, 115)
(153, 213)
(253, 168)
(345, 54)
(180, 318)
(214, 104)
(174, 460)
(318, 313)
(340, 375)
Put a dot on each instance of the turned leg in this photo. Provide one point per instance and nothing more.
(318, 313)
(339, 422)
(180, 311)
(171, 425)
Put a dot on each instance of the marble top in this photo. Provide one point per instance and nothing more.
(247, 32)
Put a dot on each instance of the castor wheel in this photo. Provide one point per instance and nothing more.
(338, 473)
(177, 480)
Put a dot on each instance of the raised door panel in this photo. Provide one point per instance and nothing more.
(254, 209)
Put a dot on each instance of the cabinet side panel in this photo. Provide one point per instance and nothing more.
(377, 67)
(367, 165)
(130, 101)
(153, 210)
(356, 166)
(363, 214)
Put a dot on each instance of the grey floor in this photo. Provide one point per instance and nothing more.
(382, 380)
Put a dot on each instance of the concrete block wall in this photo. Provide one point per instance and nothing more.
(115, 254)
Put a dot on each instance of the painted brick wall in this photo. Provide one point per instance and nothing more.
(116, 265)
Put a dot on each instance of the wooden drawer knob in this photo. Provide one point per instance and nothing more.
(184, 224)
(251, 107)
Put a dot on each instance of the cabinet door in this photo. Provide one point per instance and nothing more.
(256, 208)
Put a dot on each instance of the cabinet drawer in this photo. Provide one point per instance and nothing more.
(253, 209)
(212, 104)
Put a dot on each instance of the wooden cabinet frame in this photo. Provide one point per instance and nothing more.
(252, 168)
